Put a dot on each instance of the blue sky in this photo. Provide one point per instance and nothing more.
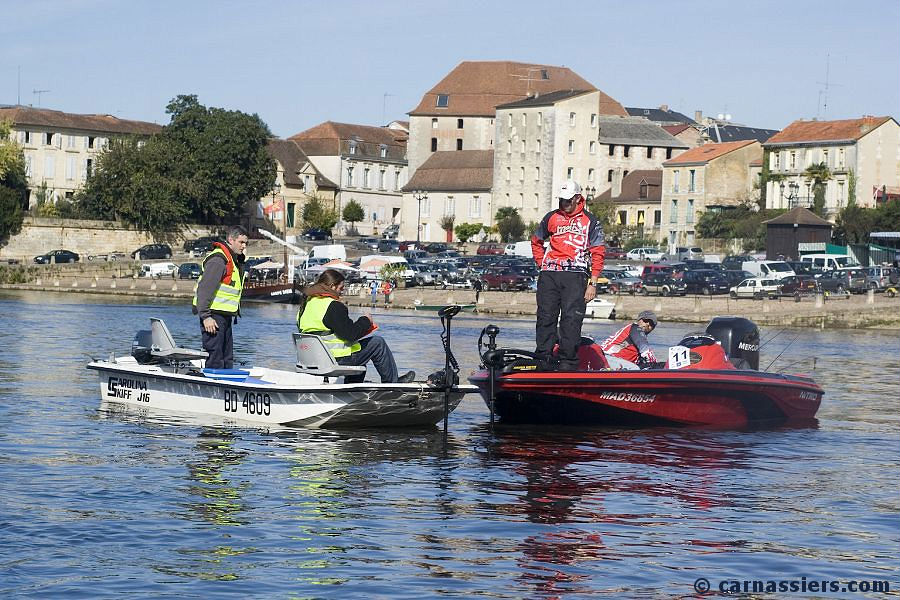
(297, 64)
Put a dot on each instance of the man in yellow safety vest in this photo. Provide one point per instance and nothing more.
(217, 297)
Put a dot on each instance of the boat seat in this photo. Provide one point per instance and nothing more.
(315, 359)
(162, 344)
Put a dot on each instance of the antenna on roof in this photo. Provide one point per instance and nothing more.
(822, 107)
(38, 94)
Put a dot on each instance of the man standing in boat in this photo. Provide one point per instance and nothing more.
(630, 343)
(217, 297)
(569, 269)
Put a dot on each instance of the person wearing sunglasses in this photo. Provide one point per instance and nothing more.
(569, 267)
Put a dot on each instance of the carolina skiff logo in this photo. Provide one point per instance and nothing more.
(748, 347)
(627, 397)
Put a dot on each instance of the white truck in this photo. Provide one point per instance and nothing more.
(769, 269)
(830, 262)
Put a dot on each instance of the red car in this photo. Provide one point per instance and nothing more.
(504, 278)
(615, 253)
(489, 248)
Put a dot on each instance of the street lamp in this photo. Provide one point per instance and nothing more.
(590, 191)
(419, 195)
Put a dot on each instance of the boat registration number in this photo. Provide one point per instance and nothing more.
(250, 403)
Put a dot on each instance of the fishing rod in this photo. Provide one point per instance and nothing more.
(782, 352)
(777, 333)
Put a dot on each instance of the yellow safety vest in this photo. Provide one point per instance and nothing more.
(310, 321)
(228, 297)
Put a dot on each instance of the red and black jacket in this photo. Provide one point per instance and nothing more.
(576, 242)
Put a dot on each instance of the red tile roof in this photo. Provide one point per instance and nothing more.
(676, 129)
(455, 171)
(707, 152)
(822, 131)
(43, 117)
(476, 88)
(326, 139)
(631, 187)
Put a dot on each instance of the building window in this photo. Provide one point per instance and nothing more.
(841, 158)
(649, 151)
(91, 142)
(26, 137)
(475, 207)
(540, 119)
(537, 146)
(668, 153)
(28, 166)
(840, 194)
(349, 176)
(426, 207)
(522, 146)
(459, 123)
(570, 173)
(70, 167)
(593, 119)
(640, 218)
(673, 212)
(625, 150)
(459, 143)
(571, 146)
(70, 142)
(524, 119)
(383, 151)
(642, 193)
(306, 187)
(508, 173)
(88, 168)
(49, 167)
(590, 175)
(537, 201)
(509, 120)
(521, 201)
(449, 206)
(509, 146)
(675, 175)
(521, 173)
(537, 173)
(792, 163)
(434, 123)
(657, 218)
(609, 176)
(434, 144)
(689, 217)
(443, 101)
(825, 157)
(571, 119)
(775, 161)
(48, 138)
(623, 217)
(624, 174)
(692, 180)
(352, 146)
(592, 147)
(612, 150)
(382, 180)
(396, 181)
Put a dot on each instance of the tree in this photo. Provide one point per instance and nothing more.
(446, 223)
(509, 224)
(818, 174)
(316, 215)
(13, 183)
(467, 231)
(353, 213)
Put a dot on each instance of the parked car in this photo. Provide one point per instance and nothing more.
(706, 282)
(57, 256)
(389, 245)
(108, 257)
(152, 251)
(410, 245)
(622, 283)
(804, 268)
(663, 284)
(391, 232)
(688, 253)
(190, 270)
(489, 248)
(736, 262)
(699, 265)
(424, 275)
(368, 243)
(435, 247)
(651, 254)
(159, 270)
(857, 279)
(412, 256)
(755, 288)
(736, 276)
(316, 235)
(504, 279)
(881, 278)
(200, 246)
(654, 269)
(614, 253)
(798, 285)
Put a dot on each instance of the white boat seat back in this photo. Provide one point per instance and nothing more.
(315, 359)
(620, 364)
(163, 344)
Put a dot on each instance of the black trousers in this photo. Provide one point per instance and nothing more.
(220, 345)
(374, 348)
(560, 300)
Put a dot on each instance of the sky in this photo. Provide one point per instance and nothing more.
(299, 63)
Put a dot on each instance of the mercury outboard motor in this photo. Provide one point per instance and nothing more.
(740, 339)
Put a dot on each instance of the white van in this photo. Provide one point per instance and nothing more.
(519, 249)
(830, 262)
(770, 269)
(158, 270)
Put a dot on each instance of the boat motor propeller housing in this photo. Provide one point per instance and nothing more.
(740, 339)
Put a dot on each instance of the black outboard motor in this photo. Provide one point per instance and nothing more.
(739, 338)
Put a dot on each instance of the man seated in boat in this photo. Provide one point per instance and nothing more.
(322, 313)
(630, 343)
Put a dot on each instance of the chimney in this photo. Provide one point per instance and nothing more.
(698, 116)
(664, 107)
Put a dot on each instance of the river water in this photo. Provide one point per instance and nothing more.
(96, 503)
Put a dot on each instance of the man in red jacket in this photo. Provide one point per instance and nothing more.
(569, 271)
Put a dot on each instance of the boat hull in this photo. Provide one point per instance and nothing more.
(281, 293)
(657, 397)
(317, 404)
(437, 307)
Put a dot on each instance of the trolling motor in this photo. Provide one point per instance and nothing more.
(451, 366)
(489, 360)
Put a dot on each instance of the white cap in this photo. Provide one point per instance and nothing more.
(568, 190)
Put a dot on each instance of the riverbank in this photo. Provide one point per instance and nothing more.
(853, 312)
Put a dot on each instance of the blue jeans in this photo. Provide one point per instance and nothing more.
(374, 348)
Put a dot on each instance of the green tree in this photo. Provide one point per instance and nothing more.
(13, 183)
(467, 231)
(853, 224)
(353, 213)
(316, 215)
(819, 174)
(509, 224)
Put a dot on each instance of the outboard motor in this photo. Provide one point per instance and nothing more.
(740, 339)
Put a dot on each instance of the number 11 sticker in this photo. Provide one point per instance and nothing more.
(679, 357)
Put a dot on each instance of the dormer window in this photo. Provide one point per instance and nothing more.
(443, 101)
(643, 191)
(352, 146)
(545, 74)
(383, 150)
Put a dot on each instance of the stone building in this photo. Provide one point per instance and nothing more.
(448, 184)
(637, 204)
(368, 165)
(296, 181)
(710, 177)
(61, 148)
(863, 153)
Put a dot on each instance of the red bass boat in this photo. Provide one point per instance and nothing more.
(711, 379)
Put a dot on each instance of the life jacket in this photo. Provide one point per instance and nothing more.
(228, 295)
(310, 320)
